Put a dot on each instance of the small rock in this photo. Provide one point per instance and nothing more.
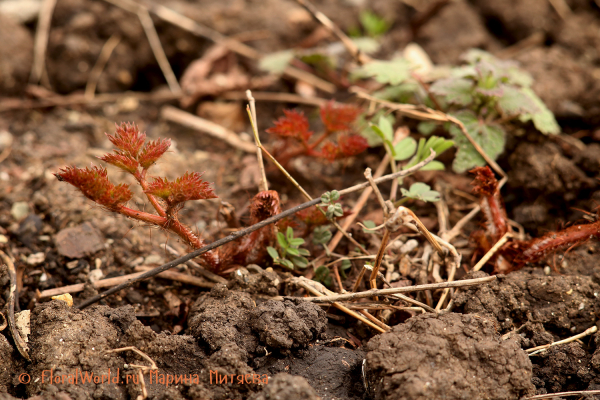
(36, 258)
(95, 275)
(80, 241)
(19, 210)
(22, 323)
(6, 139)
(29, 229)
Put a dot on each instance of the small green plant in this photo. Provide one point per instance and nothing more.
(373, 24)
(290, 254)
(421, 191)
(333, 209)
(486, 94)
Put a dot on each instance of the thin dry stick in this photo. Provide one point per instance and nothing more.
(276, 97)
(239, 234)
(96, 72)
(253, 122)
(79, 287)
(201, 270)
(12, 293)
(309, 286)
(535, 350)
(354, 51)
(41, 40)
(140, 368)
(405, 289)
(461, 223)
(173, 114)
(157, 49)
(492, 251)
(198, 29)
(548, 396)
(9, 104)
(386, 235)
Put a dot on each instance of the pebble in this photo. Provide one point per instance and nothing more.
(36, 258)
(19, 210)
(80, 241)
(95, 275)
(154, 259)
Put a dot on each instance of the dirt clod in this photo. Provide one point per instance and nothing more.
(284, 386)
(447, 356)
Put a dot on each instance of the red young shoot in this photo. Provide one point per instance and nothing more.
(132, 154)
(515, 254)
(294, 128)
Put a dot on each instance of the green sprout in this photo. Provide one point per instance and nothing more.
(290, 254)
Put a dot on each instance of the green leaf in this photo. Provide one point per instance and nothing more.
(337, 210)
(427, 127)
(514, 102)
(421, 191)
(405, 148)
(433, 166)
(281, 240)
(295, 242)
(321, 235)
(346, 265)
(374, 25)
(455, 90)
(543, 119)
(386, 129)
(491, 138)
(272, 252)
(300, 262)
(277, 62)
(304, 252)
(368, 133)
(325, 197)
(438, 144)
(329, 212)
(369, 224)
(289, 234)
(335, 195)
(292, 251)
(287, 263)
(393, 72)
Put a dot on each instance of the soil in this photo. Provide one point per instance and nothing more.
(241, 339)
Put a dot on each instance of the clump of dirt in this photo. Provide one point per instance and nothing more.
(334, 372)
(224, 317)
(562, 368)
(288, 325)
(447, 356)
(11, 362)
(285, 386)
(255, 280)
(565, 305)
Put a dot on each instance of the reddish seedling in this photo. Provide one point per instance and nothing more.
(135, 156)
(515, 254)
(299, 140)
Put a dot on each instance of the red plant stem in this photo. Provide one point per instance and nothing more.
(496, 215)
(173, 225)
(141, 178)
(574, 235)
(317, 142)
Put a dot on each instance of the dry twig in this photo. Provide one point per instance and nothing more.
(96, 72)
(405, 289)
(173, 114)
(538, 349)
(12, 293)
(41, 40)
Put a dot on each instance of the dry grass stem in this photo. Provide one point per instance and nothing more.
(405, 289)
(173, 114)
(264, 184)
(41, 40)
(317, 290)
(96, 72)
(157, 49)
(538, 349)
